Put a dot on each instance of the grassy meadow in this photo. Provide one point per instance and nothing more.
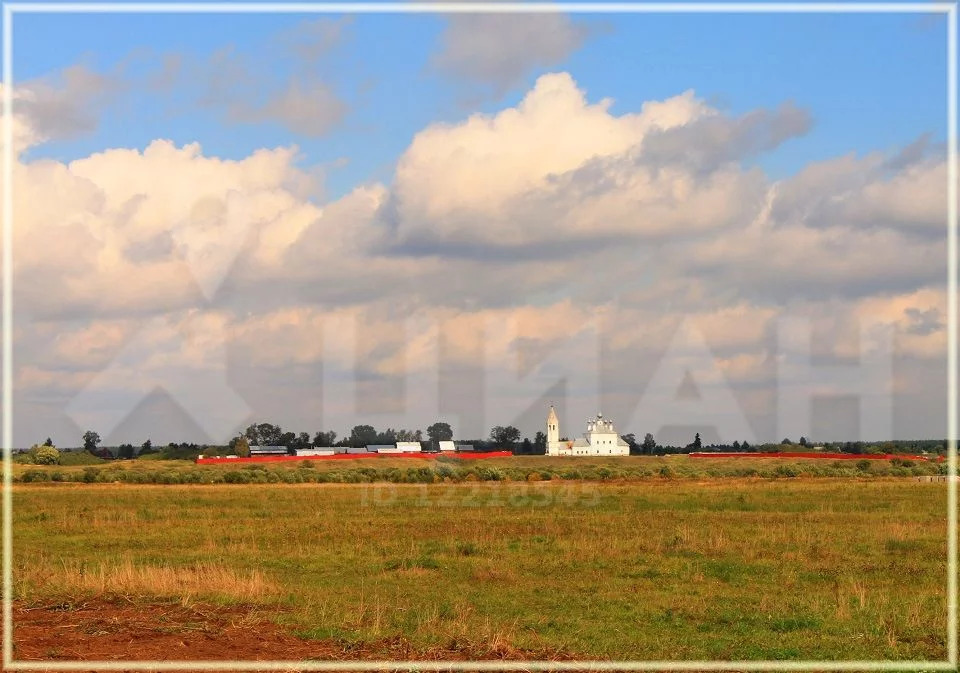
(736, 568)
(457, 469)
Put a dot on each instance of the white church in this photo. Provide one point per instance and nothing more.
(600, 439)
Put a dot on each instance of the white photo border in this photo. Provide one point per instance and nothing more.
(6, 360)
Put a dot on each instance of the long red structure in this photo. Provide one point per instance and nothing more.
(351, 456)
(797, 454)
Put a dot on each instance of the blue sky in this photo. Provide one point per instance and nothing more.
(870, 82)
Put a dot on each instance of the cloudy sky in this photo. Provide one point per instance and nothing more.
(732, 224)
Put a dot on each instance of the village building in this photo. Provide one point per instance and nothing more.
(600, 439)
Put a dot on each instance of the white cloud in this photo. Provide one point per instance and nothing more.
(556, 169)
(134, 231)
(537, 219)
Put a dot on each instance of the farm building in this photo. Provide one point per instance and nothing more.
(318, 451)
(447, 446)
(600, 439)
(390, 448)
(257, 450)
(379, 448)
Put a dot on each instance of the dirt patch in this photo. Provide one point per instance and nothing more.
(104, 631)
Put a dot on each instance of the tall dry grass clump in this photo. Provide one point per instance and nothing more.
(129, 579)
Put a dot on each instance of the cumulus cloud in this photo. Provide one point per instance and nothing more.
(499, 50)
(501, 240)
(557, 172)
(715, 139)
(907, 192)
(151, 230)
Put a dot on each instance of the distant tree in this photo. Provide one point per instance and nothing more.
(631, 439)
(125, 451)
(526, 446)
(391, 436)
(49, 442)
(745, 446)
(91, 441)
(303, 440)
(146, 447)
(736, 445)
(44, 454)
(264, 434)
(649, 446)
(540, 443)
(362, 435)
(242, 447)
(440, 432)
(504, 436)
(786, 442)
(324, 438)
(803, 441)
(697, 444)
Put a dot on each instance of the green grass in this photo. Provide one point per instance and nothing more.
(452, 468)
(657, 569)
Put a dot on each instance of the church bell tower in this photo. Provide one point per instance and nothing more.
(553, 430)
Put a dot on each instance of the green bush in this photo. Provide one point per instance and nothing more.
(44, 455)
(236, 477)
(786, 471)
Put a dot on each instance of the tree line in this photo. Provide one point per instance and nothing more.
(500, 438)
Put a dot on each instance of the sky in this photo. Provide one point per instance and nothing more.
(726, 224)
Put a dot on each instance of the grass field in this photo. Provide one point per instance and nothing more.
(452, 468)
(731, 568)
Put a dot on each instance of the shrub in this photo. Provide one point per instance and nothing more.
(34, 475)
(45, 455)
(863, 465)
(236, 477)
(786, 471)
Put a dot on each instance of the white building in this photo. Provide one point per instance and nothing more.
(600, 439)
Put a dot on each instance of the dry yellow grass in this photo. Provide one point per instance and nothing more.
(127, 578)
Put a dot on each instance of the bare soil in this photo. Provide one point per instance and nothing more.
(99, 630)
